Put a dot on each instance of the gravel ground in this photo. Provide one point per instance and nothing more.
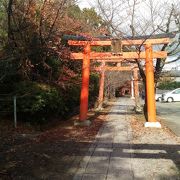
(155, 152)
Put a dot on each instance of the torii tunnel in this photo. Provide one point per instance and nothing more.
(148, 55)
(103, 68)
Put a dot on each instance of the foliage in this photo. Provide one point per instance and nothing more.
(90, 22)
(39, 102)
(169, 85)
(3, 32)
(94, 87)
(34, 63)
(36, 102)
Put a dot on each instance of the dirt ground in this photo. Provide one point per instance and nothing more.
(57, 152)
(52, 154)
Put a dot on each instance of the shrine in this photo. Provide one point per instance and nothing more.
(117, 55)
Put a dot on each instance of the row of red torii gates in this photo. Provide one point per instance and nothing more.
(148, 55)
(134, 78)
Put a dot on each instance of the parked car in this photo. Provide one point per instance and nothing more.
(171, 96)
(158, 97)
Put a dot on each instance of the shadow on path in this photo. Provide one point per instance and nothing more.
(62, 158)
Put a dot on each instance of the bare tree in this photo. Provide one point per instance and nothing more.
(140, 17)
(144, 17)
(34, 31)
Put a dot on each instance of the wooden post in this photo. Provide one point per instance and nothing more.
(15, 112)
(101, 85)
(85, 83)
(151, 107)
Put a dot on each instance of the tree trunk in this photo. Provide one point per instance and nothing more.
(145, 103)
(9, 14)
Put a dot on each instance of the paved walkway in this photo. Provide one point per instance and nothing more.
(106, 158)
(114, 156)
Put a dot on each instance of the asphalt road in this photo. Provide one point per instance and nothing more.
(170, 115)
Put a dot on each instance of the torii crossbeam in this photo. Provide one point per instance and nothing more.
(148, 55)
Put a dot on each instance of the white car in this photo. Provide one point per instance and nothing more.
(171, 96)
(158, 97)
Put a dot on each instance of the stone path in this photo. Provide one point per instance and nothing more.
(114, 156)
(106, 158)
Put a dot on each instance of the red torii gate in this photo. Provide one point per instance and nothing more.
(104, 68)
(148, 55)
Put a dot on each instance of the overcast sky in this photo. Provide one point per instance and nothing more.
(90, 3)
(85, 3)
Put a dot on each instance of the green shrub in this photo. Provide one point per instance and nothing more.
(38, 102)
(94, 87)
(71, 100)
(169, 85)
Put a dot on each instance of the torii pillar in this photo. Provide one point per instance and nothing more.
(150, 92)
(85, 86)
(101, 85)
